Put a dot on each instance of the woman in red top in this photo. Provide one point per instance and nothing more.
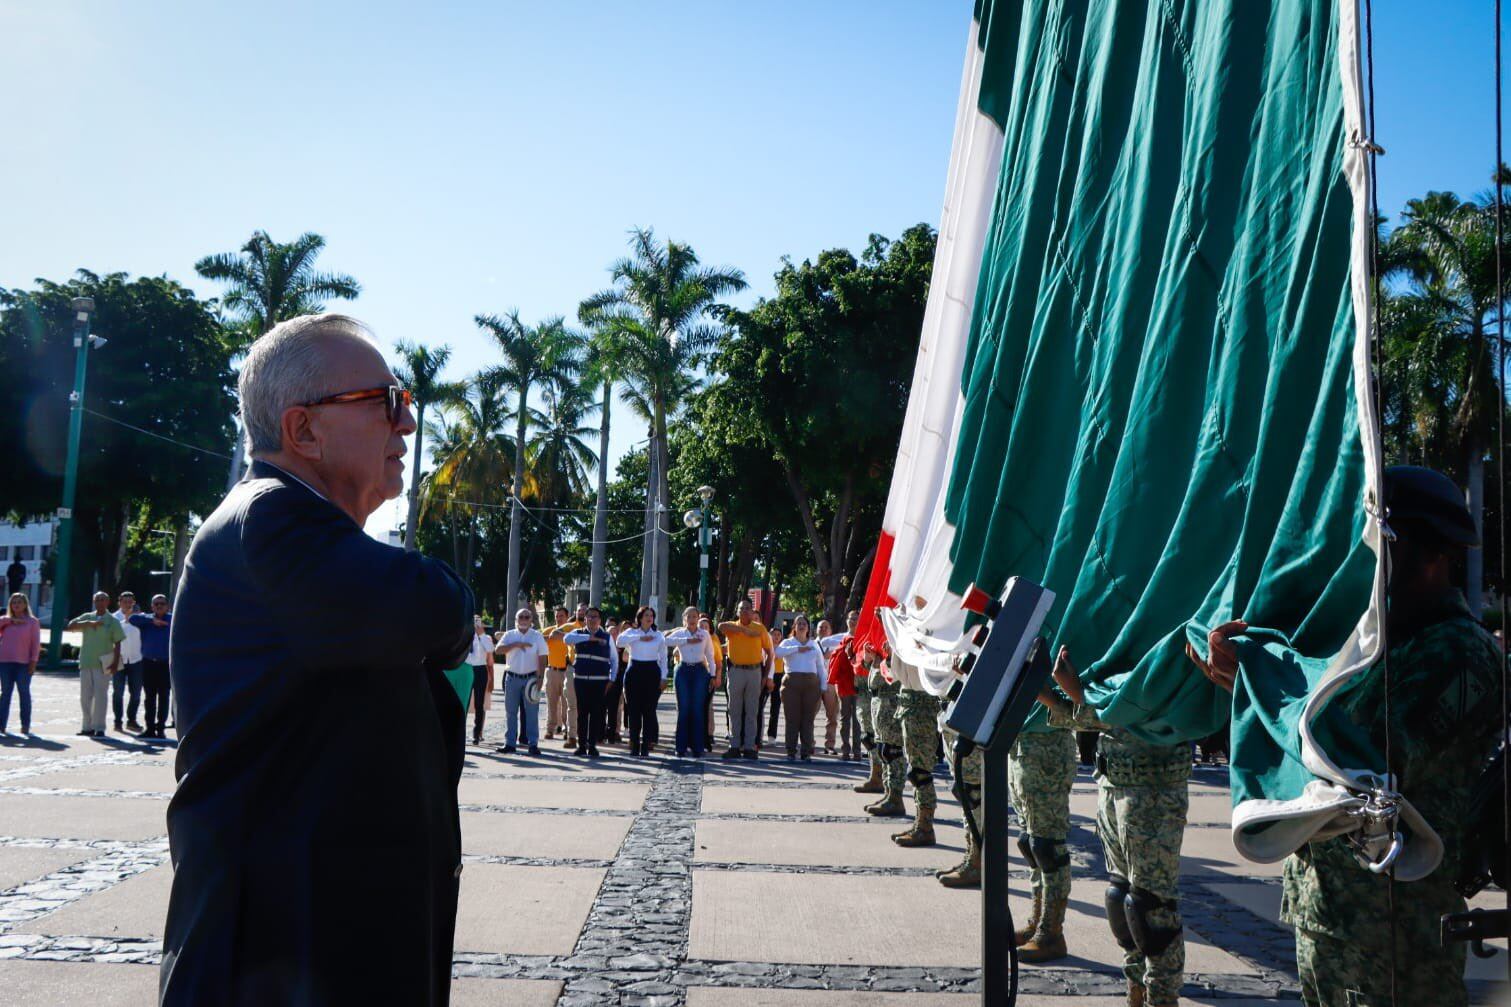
(842, 663)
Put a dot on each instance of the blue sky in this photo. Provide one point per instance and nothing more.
(465, 158)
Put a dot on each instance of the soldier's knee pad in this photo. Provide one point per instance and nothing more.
(1151, 938)
(890, 753)
(1026, 848)
(1049, 854)
(1116, 900)
(920, 777)
(968, 794)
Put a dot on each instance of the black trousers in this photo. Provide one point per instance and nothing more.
(155, 685)
(479, 690)
(590, 693)
(774, 698)
(611, 707)
(642, 693)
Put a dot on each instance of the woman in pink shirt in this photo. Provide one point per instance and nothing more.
(20, 646)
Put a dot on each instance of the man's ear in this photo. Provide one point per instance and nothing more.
(299, 434)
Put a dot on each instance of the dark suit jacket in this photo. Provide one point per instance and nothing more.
(315, 837)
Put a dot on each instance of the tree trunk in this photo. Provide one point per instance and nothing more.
(414, 480)
(238, 455)
(1474, 562)
(180, 552)
(861, 579)
(648, 552)
(663, 514)
(743, 569)
(516, 509)
(601, 510)
(118, 554)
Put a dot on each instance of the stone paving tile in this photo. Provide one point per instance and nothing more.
(505, 909)
(82, 817)
(823, 844)
(467, 992)
(137, 907)
(49, 984)
(152, 778)
(556, 762)
(727, 799)
(546, 794)
(517, 834)
(19, 864)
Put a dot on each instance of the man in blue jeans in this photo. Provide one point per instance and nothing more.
(525, 653)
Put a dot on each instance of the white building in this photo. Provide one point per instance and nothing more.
(30, 544)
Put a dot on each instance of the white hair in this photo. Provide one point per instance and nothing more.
(288, 367)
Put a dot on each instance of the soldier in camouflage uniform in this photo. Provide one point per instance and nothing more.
(1445, 672)
(888, 741)
(1041, 768)
(918, 712)
(869, 660)
(1141, 819)
(967, 873)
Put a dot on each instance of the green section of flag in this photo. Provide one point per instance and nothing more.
(1160, 422)
(460, 678)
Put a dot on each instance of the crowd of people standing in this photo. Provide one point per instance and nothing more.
(602, 681)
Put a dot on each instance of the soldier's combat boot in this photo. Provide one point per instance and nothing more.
(873, 782)
(1023, 934)
(890, 806)
(922, 832)
(967, 875)
(1135, 994)
(1043, 947)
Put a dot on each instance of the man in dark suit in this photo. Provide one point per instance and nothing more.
(315, 836)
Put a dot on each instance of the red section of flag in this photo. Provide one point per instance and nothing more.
(878, 594)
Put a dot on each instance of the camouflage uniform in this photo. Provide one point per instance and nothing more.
(918, 713)
(1445, 673)
(971, 768)
(1141, 818)
(1041, 768)
(888, 730)
(867, 728)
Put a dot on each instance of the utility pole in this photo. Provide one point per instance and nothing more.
(83, 307)
(705, 536)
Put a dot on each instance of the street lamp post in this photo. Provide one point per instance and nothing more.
(83, 307)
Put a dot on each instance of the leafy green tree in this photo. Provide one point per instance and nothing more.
(821, 373)
(1439, 333)
(269, 282)
(472, 461)
(158, 404)
(532, 356)
(419, 369)
(656, 325)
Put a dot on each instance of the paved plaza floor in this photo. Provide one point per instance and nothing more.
(655, 882)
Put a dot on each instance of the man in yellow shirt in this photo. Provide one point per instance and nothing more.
(748, 653)
(557, 659)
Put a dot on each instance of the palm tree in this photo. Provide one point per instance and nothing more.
(1445, 253)
(269, 283)
(655, 326)
(597, 369)
(419, 370)
(532, 355)
(472, 455)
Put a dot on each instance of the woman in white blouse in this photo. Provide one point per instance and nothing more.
(803, 685)
(694, 681)
(644, 679)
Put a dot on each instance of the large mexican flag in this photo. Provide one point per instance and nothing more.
(1143, 379)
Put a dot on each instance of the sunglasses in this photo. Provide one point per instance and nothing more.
(392, 395)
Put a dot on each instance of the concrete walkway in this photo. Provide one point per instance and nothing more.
(655, 882)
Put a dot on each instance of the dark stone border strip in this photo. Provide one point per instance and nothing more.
(35, 899)
(637, 928)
